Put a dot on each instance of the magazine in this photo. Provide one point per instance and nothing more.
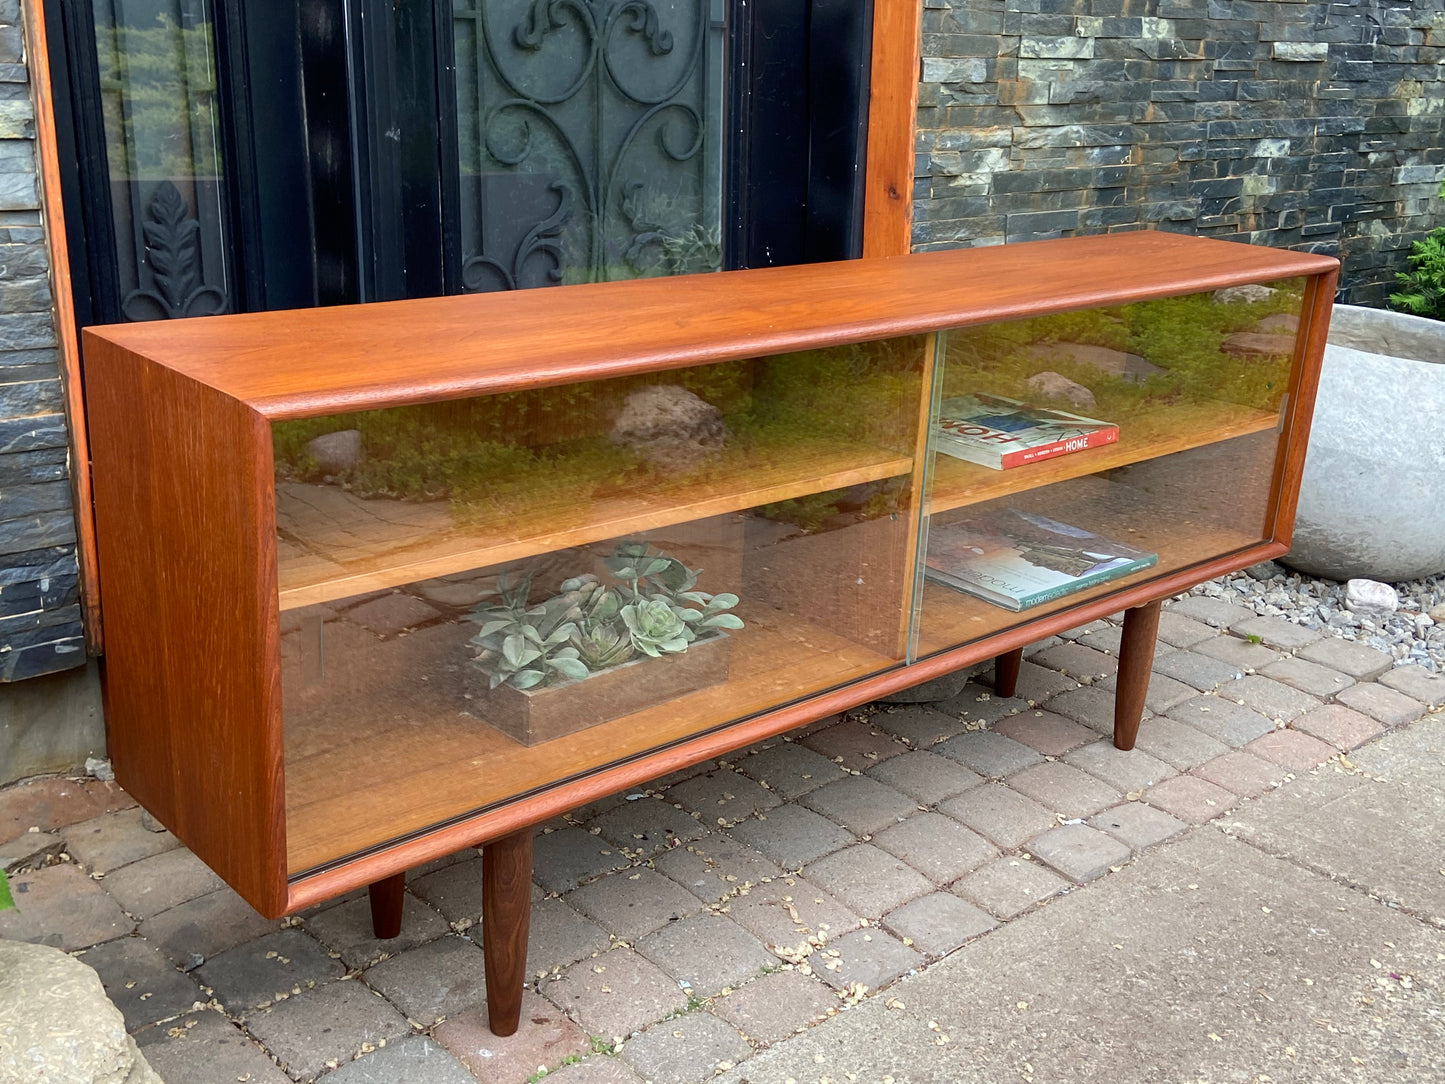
(1018, 559)
(1000, 433)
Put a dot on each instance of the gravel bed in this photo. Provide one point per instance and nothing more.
(1410, 634)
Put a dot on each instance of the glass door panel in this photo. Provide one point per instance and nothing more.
(1077, 454)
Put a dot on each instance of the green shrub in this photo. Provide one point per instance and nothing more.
(1422, 288)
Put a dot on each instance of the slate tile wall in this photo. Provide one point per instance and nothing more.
(1306, 124)
(40, 621)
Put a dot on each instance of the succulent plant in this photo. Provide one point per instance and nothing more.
(653, 608)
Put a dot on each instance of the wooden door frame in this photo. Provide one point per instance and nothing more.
(887, 221)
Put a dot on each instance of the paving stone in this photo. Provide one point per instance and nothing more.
(1177, 743)
(978, 703)
(1090, 705)
(1234, 724)
(1079, 852)
(444, 977)
(869, 956)
(643, 828)
(1161, 694)
(1309, 677)
(205, 926)
(614, 994)
(30, 850)
(688, 1049)
(557, 936)
(1137, 825)
(1123, 770)
(1211, 611)
(163, 881)
(1077, 661)
(1199, 671)
(790, 769)
(919, 725)
(596, 1069)
(991, 755)
(1177, 630)
(1106, 638)
(391, 614)
(253, 975)
(1272, 699)
(860, 745)
(45, 804)
(1378, 702)
(1075, 633)
(1238, 652)
(1050, 734)
(1038, 683)
(708, 952)
(925, 777)
(115, 839)
(1243, 773)
(723, 795)
(454, 890)
(774, 1006)
(346, 928)
(791, 835)
(937, 846)
(417, 1058)
(1002, 815)
(204, 1048)
(564, 859)
(1342, 727)
(1190, 798)
(1355, 660)
(633, 903)
(1008, 886)
(61, 907)
(938, 923)
(867, 879)
(143, 984)
(783, 914)
(860, 804)
(1416, 683)
(1294, 749)
(327, 1024)
(716, 867)
(1275, 632)
(1064, 789)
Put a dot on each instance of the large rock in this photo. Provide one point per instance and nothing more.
(56, 1024)
(1372, 500)
(670, 427)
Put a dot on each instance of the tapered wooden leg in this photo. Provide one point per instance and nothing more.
(1136, 659)
(506, 914)
(1006, 672)
(386, 897)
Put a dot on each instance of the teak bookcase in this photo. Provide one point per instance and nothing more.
(289, 677)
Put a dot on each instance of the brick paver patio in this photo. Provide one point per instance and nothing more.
(679, 929)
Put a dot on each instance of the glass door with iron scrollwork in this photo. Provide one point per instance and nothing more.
(590, 139)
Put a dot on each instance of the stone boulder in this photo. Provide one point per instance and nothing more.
(1372, 499)
(56, 1024)
(670, 427)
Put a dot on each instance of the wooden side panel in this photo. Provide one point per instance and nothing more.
(182, 479)
(38, 60)
(892, 116)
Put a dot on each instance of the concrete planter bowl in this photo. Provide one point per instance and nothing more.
(1372, 502)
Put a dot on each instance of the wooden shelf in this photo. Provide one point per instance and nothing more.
(1177, 428)
(1175, 513)
(442, 762)
(334, 545)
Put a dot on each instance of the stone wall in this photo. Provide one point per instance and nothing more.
(40, 620)
(1306, 124)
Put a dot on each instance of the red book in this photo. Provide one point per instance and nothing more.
(1001, 433)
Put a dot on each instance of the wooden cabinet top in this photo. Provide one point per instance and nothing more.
(304, 362)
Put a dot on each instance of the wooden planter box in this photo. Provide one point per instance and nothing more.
(532, 716)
